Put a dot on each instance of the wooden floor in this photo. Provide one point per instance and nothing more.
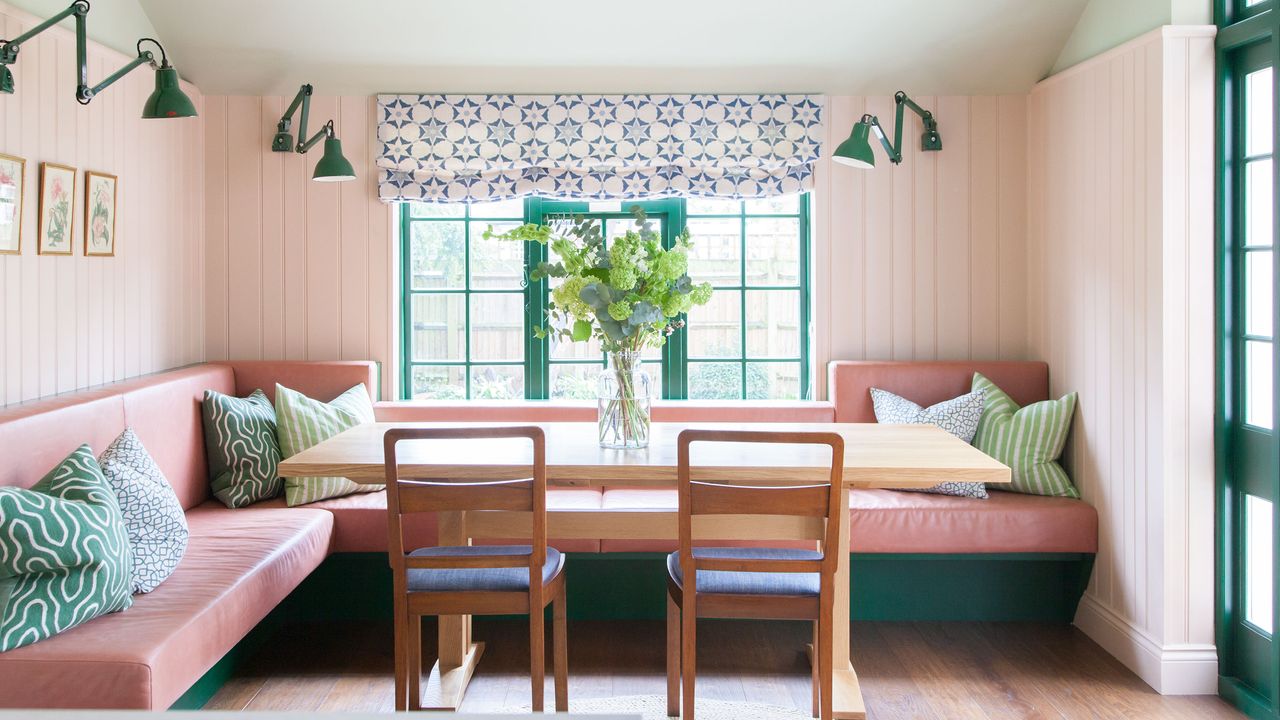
(942, 671)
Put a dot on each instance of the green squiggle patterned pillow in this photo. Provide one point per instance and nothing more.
(240, 440)
(64, 553)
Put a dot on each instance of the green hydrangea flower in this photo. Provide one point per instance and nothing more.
(701, 294)
(623, 277)
(620, 310)
(567, 296)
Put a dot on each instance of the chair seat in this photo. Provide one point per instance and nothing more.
(721, 582)
(513, 579)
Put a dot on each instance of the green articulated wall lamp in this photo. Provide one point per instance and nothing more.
(166, 101)
(333, 167)
(857, 151)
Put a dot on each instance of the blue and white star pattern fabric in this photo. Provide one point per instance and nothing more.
(472, 148)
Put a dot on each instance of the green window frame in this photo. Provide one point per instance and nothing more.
(777, 281)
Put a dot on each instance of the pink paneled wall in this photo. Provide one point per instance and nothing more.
(1121, 304)
(924, 260)
(295, 269)
(73, 322)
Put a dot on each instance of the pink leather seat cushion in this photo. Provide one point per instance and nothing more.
(239, 565)
(663, 499)
(360, 521)
(890, 521)
(323, 381)
(928, 383)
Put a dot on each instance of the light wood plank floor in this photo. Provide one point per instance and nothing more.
(942, 671)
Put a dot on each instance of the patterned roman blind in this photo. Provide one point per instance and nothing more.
(464, 148)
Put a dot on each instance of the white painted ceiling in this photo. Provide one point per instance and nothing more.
(831, 46)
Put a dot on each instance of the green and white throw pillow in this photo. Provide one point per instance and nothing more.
(303, 422)
(152, 515)
(1029, 440)
(958, 416)
(64, 553)
(240, 440)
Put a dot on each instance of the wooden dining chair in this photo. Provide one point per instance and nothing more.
(474, 580)
(752, 582)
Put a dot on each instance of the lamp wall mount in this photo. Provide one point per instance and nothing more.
(167, 101)
(332, 167)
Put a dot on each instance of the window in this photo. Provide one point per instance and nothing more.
(468, 314)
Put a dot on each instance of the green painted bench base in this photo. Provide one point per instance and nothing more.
(1024, 587)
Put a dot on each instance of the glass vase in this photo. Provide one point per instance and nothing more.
(623, 401)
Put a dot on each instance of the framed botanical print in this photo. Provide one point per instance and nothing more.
(13, 188)
(57, 190)
(99, 214)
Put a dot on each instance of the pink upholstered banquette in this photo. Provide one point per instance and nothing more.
(241, 563)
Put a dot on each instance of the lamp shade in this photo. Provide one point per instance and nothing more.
(856, 151)
(168, 100)
(333, 167)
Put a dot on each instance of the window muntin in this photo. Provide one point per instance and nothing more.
(468, 314)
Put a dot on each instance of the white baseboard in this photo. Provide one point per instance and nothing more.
(1171, 669)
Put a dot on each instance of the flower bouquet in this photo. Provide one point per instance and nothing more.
(628, 294)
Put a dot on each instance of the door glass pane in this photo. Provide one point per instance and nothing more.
(496, 264)
(773, 323)
(1257, 100)
(439, 324)
(1258, 548)
(437, 255)
(497, 327)
(773, 251)
(497, 382)
(715, 381)
(439, 382)
(574, 382)
(717, 247)
(1257, 204)
(1257, 384)
(715, 329)
(1258, 293)
(773, 381)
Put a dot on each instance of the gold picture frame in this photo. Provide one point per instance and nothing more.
(100, 194)
(57, 214)
(13, 191)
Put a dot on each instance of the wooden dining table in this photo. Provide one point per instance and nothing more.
(876, 456)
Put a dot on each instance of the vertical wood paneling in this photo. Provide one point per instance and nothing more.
(1120, 297)
(897, 280)
(72, 322)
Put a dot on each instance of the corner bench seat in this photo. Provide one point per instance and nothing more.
(892, 521)
(239, 565)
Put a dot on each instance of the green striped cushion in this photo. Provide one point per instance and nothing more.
(64, 553)
(302, 422)
(1029, 440)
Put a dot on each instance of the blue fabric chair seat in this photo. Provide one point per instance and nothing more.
(513, 579)
(721, 582)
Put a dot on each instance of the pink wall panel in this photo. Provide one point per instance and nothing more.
(73, 322)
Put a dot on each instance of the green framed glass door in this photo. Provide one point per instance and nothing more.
(1248, 447)
(563, 370)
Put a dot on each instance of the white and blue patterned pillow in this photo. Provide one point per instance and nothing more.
(958, 416)
(153, 516)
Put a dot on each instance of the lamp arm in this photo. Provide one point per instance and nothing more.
(301, 100)
(926, 117)
(9, 48)
(84, 93)
(894, 156)
(324, 132)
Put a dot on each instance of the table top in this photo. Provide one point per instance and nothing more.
(876, 455)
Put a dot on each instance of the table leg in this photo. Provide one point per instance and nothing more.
(846, 695)
(458, 655)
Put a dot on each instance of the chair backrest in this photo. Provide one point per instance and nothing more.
(720, 498)
(417, 495)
